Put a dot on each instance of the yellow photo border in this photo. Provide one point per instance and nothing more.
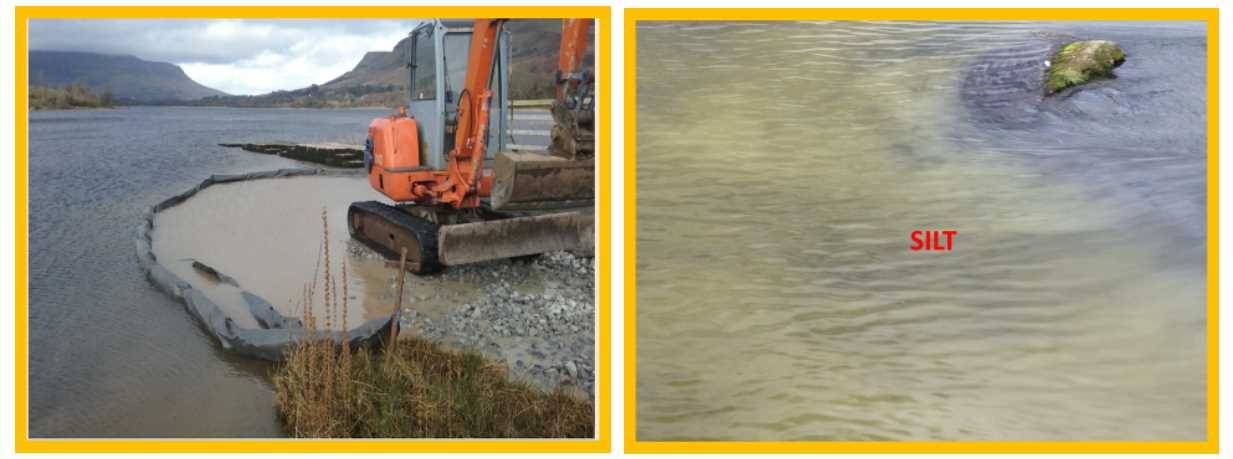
(633, 15)
(24, 444)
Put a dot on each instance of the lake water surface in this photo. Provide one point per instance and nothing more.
(109, 354)
(781, 168)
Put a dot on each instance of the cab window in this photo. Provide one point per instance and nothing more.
(423, 67)
(457, 46)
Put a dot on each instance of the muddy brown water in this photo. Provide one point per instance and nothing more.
(267, 235)
(781, 168)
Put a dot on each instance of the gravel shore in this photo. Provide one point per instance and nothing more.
(536, 314)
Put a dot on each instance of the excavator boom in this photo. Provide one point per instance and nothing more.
(466, 161)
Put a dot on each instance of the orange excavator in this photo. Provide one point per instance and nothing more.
(458, 195)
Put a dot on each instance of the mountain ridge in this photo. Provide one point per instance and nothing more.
(129, 78)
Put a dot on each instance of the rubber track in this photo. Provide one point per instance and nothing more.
(425, 232)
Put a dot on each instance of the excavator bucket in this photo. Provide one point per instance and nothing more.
(531, 181)
(515, 237)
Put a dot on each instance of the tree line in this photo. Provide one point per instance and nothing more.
(68, 97)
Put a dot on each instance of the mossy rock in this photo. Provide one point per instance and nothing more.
(1082, 61)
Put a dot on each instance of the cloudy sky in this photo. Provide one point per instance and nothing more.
(238, 56)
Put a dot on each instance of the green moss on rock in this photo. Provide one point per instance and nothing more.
(1080, 62)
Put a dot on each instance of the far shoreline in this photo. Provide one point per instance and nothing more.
(76, 109)
(69, 109)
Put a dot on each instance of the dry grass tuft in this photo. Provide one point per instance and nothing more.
(416, 390)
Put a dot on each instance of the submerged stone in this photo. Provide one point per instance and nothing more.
(1080, 62)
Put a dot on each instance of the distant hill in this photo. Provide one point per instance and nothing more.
(533, 60)
(535, 45)
(380, 78)
(377, 68)
(129, 78)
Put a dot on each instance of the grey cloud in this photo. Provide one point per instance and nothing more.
(207, 41)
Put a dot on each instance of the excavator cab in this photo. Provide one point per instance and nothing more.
(438, 65)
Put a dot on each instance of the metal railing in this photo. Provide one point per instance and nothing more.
(535, 110)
